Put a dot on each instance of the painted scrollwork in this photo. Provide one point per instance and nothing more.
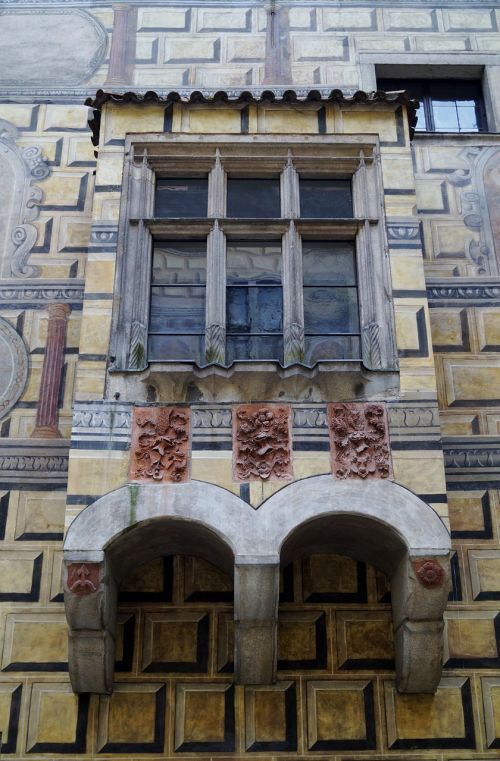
(262, 442)
(160, 445)
(19, 201)
(359, 441)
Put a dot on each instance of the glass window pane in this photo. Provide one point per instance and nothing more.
(177, 309)
(254, 347)
(179, 197)
(421, 122)
(182, 348)
(328, 262)
(467, 119)
(254, 309)
(445, 116)
(320, 348)
(330, 310)
(179, 262)
(253, 262)
(251, 198)
(325, 198)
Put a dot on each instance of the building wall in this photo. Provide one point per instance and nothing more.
(335, 697)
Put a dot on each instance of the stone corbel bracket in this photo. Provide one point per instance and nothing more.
(378, 522)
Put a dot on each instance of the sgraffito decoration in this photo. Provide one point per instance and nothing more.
(159, 451)
(83, 578)
(359, 441)
(262, 442)
(429, 573)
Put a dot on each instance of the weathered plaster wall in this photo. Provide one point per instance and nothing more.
(335, 697)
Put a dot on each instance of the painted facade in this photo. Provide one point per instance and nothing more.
(71, 418)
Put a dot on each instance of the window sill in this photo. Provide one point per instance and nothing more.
(184, 381)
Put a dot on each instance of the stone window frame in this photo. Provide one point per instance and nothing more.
(356, 157)
(482, 67)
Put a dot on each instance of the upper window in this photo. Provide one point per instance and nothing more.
(446, 105)
(253, 252)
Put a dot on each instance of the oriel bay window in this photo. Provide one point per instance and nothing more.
(238, 251)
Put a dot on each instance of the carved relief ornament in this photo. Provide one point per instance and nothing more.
(359, 441)
(159, 450)
(429, 573)
(83, 578)
(262, 442)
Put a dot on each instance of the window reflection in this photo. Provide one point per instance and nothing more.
(181, 197)
(253, 198)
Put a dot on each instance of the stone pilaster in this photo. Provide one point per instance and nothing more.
(122, 53)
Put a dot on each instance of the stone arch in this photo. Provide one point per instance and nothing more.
(377, 521)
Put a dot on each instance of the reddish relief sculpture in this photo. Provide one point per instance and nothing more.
(159, 451)
(359, 441)
(262, 437)
(83, 578)
(429, 573)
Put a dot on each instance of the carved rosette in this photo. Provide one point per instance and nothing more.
(262, 442)
(83, 578)
(429, 573)
(159, 451)
(359, 441)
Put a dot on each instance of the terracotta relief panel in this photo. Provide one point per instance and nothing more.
(159, 451)
(359, 441)
(83, 578)
(429, 572)
(262, 442)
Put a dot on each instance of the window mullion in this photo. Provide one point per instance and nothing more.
(293, 302)
(215, 320)
(217, 189)
(289, 186)
(138, 262)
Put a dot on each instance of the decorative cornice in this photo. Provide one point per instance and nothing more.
(471, 291)
(28, 463)
(284, 94)
(36, 294)
(472, 459)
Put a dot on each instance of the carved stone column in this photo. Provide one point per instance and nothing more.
(122, 53)
(46, 413)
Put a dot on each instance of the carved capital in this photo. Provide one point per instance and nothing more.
(429, 573)
(159, 450)
(262, 442)
(359, 441)
(83, 578)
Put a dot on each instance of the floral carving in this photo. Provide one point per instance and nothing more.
(262, 442)
(83, 578)
(429, 573)
(159, 448)
(359, 441)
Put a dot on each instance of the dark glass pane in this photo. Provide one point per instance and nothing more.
(179, 197)
(177, 309)
(467, 118)
(179, 262)
(182, 348)
(330, 310)
(251, 198)
(328, 262)
(320, 348)
(325, 198)
(445, 116)
(254, 347)
(252, 262)
(254, 309)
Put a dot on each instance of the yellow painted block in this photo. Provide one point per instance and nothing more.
(96, 324)
(110, 168)
(214, 120)
(369, 121)
(97, 472)
(407, 272)
(422, 472)
(119, 120)
(287, 121)
(100, 275)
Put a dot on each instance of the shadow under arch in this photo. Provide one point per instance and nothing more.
(384, 524)
(380, 522)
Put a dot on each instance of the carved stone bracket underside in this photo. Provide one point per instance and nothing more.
(377, 521)
(19, 202)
